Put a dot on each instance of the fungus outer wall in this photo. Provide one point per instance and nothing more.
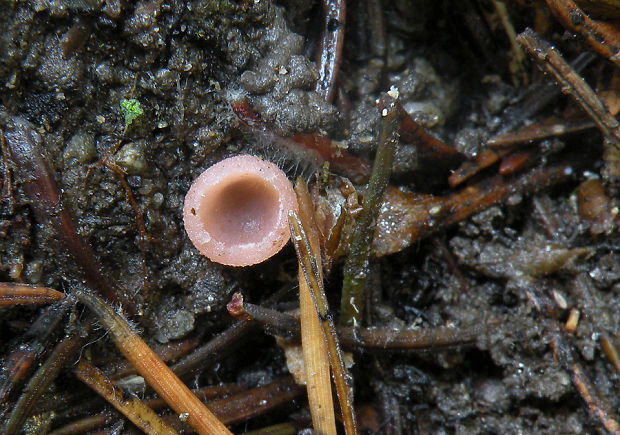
(236, 212)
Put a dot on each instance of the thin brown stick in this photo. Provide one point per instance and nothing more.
(550, 127)
(572, 83)
(221, 345)
(599, 410)
(143, 236)
(109, 162)
(7, 183)
(375, 29)
(205, 394)
(40, 382)
(215, 349)
(154, 370)
(600, 35)
(23, 294)
(273, 321)
(430, 148)
(585, 388)
(468, 169)
(538, 96)
(256, 401)
(409, 339)
(129, 405)
(517, 57)
(330, 51)
(20, 361)
(286, 325)
(87, 424)
(25, 147)
(167, 352)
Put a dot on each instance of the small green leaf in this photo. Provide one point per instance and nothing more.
(131, 109)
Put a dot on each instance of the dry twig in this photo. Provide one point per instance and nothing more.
(361, 338)
(572, 84)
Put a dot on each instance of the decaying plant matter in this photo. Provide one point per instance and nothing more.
(455, 248)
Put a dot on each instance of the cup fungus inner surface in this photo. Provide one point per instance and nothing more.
(241, 211)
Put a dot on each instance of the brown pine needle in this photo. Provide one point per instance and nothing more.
(155, 371)
(129, 405)
(23, 294)
(316, 364)
(610, 350)
(314, 349)
(40, 382)
(308, 253)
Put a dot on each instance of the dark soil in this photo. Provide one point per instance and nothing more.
(520, 266)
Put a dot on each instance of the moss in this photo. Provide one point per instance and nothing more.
(131, 109)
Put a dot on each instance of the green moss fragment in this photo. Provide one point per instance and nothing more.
(131, 109)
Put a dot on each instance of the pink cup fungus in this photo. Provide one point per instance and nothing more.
(236, 212)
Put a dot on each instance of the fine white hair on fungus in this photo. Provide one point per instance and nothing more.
(295, 159)
(236, 211)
